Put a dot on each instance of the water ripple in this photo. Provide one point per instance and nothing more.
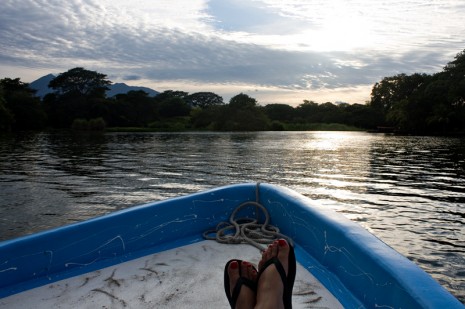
(408, 191)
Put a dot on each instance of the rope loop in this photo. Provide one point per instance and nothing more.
(246, 230)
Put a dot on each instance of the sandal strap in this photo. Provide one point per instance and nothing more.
(279, 268)
(237, 289)
(232, 297)
(288, 280)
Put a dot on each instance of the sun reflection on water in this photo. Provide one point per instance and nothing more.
(327, 140)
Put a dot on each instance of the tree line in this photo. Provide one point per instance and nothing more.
(422, 103)
(418, 103)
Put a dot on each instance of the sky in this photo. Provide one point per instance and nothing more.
(273, 50)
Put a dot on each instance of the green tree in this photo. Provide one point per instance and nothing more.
(242, 101)
(79, 94)
(80, 82)
(206, 118)
(204, 99)
(362, 116)
(172, 103)
(307, 112)
(454, 75)
(173, 107)
(424, 104)
(170, 94)
(280, 112)
(22, 110)
(397, 98)
(394, 89)
(242, 114)
(135, 108)
(6, 117)
(454, 72)
(330, 113)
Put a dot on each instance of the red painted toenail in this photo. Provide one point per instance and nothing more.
(282, 243)
(234, 265)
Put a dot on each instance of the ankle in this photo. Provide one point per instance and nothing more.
(270, 302)
(270, 293)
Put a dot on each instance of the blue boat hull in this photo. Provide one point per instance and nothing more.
(358, 268)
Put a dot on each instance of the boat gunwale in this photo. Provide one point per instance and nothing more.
(332, 240)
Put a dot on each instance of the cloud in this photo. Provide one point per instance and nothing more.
(270, 45)
(158, 53)
(131, 77)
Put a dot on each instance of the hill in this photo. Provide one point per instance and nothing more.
(118, 88)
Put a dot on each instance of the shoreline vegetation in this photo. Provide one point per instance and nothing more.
(417, 104)
(305, 127)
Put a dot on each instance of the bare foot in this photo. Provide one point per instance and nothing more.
(245, 272)
(270, 289)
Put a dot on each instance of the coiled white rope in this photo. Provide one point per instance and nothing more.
(247, 230)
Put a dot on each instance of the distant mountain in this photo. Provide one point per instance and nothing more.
(118, 88)
(41, 85)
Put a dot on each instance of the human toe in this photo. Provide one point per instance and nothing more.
(233, 272)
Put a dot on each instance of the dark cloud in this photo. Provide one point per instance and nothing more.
(132, 77)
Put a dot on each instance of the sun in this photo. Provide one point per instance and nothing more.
(338, 26)
(341, 33)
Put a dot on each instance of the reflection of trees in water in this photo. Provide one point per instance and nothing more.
(76, 154)
(21, 153)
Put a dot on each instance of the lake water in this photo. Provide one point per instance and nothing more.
(408, 191)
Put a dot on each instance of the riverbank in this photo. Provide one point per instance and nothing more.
(181, 127)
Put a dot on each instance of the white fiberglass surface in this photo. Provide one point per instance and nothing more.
(186, 277)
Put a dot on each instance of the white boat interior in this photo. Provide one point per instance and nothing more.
(190, 276)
